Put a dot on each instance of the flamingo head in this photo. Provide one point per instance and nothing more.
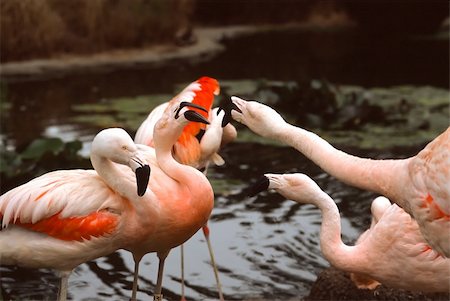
(260, 118)
(116, 145)
(297, 187)
(174, 119)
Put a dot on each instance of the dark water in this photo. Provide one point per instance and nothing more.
(266, 247)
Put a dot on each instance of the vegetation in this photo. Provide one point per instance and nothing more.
(41, 156)
(375, 118)
(45, 28)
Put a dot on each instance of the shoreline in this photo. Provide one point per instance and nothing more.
(208, 44)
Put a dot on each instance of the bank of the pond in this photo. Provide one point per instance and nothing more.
(208, 44)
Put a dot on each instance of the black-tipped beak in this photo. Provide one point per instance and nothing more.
(142, 177)
(190, 105)
(228, 106)
(261, 185)
(196, 117)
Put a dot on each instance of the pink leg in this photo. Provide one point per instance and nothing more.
(205, 229)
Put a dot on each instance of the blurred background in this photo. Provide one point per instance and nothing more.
(371, 77)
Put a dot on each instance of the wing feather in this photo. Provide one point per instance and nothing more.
(144, 134)
(68, 193)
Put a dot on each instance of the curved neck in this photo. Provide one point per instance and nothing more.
(335, 251)
(117, 180)
(376, 175)
(182, 173)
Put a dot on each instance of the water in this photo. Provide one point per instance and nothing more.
(266, 247)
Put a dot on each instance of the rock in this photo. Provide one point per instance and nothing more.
(333, 284)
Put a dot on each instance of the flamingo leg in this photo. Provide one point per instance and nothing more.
(62, 293)
(205, 229)
(157, 296)
(183, 298)
(137, 260)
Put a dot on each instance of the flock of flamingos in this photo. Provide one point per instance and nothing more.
(152, 195)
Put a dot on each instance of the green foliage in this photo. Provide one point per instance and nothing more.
(39, 147)
(125, 112)
(351, 115)
(42, 155)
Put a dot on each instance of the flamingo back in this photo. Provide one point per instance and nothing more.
(43, 205)
(430, 171)
(144, 134)
(398, 255)
(187, 148)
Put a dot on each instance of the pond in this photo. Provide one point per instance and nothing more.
(266, 247)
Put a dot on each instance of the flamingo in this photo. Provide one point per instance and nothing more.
(419, 184)
(192, 147)
(198, 145)
(181, 196)
(392, 251)
(64, 218)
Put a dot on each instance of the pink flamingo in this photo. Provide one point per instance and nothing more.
(392, 251)
(64, 218)
(418, 184)
(197, 146)
(182, 197)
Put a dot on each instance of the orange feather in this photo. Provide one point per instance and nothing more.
(75, 228)
(187, 147)
(434, 208)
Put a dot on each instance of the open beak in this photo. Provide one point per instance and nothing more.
(261, 185)
(142, 177)
(228, 106)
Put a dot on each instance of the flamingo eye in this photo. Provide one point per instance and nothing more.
(124, 147)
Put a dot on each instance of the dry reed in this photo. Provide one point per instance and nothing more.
(47, 28)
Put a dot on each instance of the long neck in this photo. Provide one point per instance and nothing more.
(335, 251)
(120, 182)
(375, 175)
(182, 173)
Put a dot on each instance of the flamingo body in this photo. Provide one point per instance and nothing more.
(198, 144)
(418, 184)
(177, 209)
(392, 251)
(64, 218)
(182, 197)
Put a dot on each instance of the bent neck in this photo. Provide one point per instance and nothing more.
(376, 175)
(117, 180)
(181, 173)
(335, 251)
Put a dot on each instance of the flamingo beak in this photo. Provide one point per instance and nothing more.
(142, 177)
(188, 104)
(228, 106)
(195, 117)
(261, 185)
